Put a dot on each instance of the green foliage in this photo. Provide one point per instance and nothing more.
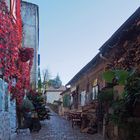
(118, 105)
(39, 104)
(106, 95)
(132, 89)
(114, 119)
(39, 85)
(109, 76)
(120, 113)
(122, 76)
(124, 108)
(27, 105)
(56, 82)
(119, 75)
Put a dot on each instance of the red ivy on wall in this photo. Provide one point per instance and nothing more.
(15, 62)
(25, 54)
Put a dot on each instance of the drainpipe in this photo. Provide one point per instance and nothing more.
(104, 58)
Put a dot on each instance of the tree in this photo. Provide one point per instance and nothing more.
(46, 78)
(56, 82)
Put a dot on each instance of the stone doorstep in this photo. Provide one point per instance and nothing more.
(13, 136)
(23, 131)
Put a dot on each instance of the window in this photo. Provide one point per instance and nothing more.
(83, 98)
(71, 99)
(66, 100)
(8, 4)
(6, 98)
(94, 92)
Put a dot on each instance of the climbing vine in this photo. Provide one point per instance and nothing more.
(15, 61)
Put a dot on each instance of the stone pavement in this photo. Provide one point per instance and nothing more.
(57, 128)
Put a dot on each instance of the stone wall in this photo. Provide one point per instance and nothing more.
(7, 113)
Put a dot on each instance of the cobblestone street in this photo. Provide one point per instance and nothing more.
(58, 128)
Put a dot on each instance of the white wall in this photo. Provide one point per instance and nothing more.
(51, 96)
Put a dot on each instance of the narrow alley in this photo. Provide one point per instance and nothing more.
(57, 128)
(69, 70)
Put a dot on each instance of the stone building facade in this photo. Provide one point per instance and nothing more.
(121, 51)
(30, 20)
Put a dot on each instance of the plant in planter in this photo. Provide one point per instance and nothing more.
(126, 109)
(39, 104)
(132, 95)
(105, 96)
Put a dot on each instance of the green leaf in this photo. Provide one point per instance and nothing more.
(122, 76)
(137, 94)
(106, 95)
(109, 76)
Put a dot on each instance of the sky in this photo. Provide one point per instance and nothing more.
(72, 31)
